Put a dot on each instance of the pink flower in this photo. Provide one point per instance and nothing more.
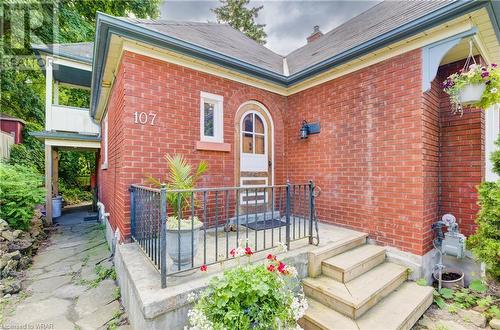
(271, 257)
(204, 268)
(485, 74)
(232, 252)
(271, 268)
(281, 267)
(248, 251)
(493, 65)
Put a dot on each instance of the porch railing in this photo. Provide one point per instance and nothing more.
(216, 220)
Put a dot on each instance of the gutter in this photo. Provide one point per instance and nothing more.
(108, 25)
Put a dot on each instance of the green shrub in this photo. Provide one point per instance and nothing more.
(250, 297)
(20, 190)
(485, 243)
(74, 195)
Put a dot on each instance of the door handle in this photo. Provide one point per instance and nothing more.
(269, 163)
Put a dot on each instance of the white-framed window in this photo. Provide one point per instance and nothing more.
(104, 142)
(211, 117)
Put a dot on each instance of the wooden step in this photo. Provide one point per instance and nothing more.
(351, 264)
(400, 310)
(354, 298)
(318, 316)
(316, 256)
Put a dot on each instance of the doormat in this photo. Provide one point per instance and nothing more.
(91, 218)
(265, 224)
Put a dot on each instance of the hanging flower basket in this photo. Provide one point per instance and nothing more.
(475, 85)
(471, 94)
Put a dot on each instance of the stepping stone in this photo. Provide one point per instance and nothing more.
(48, 285)
(94, 299)
(100, 317)
(69, 291)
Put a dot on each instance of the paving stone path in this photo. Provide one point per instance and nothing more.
(70, 284)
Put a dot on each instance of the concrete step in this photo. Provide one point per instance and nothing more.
(319, 317)
(317, 256)
(357, 296)
(400, 310)
(351, 264)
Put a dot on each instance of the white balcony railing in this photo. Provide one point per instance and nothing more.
(71, 119)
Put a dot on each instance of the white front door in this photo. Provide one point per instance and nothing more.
(255, 153)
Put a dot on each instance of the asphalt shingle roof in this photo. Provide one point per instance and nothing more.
(78, 50)
(379, 19)
(222, 38)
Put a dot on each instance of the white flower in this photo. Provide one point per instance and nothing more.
(198, 320)
(494, 90)
(292, 271)
(298, 307)
(192, 297)
(282, 246)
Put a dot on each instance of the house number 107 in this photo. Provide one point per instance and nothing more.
(143, 118)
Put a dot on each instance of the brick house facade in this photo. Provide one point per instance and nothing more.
(386, 159)
(390, 159)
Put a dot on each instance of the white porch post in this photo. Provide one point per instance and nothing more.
(492, 129)
(48, 184)
(48, 93)
(56, 93)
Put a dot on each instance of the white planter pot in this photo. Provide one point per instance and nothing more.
(451, 284)
(471, 94)
(185, 237)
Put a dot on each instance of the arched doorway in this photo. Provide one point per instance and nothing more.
(254, 138)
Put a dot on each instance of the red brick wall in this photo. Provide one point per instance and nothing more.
(173, 92)
(461, 158)
(382, 149)
(112, 190)
(368, 157)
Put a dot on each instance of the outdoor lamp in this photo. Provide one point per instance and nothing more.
(308, 128)
(304, 130)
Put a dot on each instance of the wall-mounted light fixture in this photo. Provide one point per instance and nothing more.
(308, 128)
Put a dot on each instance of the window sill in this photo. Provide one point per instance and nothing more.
(213, 146)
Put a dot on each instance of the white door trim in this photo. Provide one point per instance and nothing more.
(270, 118)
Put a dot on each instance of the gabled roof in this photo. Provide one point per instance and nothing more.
(376, 21)
(220, 38)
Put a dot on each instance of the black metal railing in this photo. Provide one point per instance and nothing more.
(181, 230)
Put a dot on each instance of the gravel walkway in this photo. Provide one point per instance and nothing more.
(71, 282)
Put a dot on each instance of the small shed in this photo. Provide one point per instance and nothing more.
(13, 126)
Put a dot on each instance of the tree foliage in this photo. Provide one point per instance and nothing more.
(485, 243)
(22, 85)
(236, 14)
(20, 190)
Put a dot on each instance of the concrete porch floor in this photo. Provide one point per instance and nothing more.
(218, 244)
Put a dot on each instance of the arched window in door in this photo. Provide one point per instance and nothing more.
(253, 134)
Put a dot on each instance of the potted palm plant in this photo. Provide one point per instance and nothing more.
(183, 229)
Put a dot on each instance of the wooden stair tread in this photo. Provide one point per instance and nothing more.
(361, 289)
(400, 310)
(318, 316)
(350, 259)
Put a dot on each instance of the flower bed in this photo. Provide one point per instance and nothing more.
(264, 296)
